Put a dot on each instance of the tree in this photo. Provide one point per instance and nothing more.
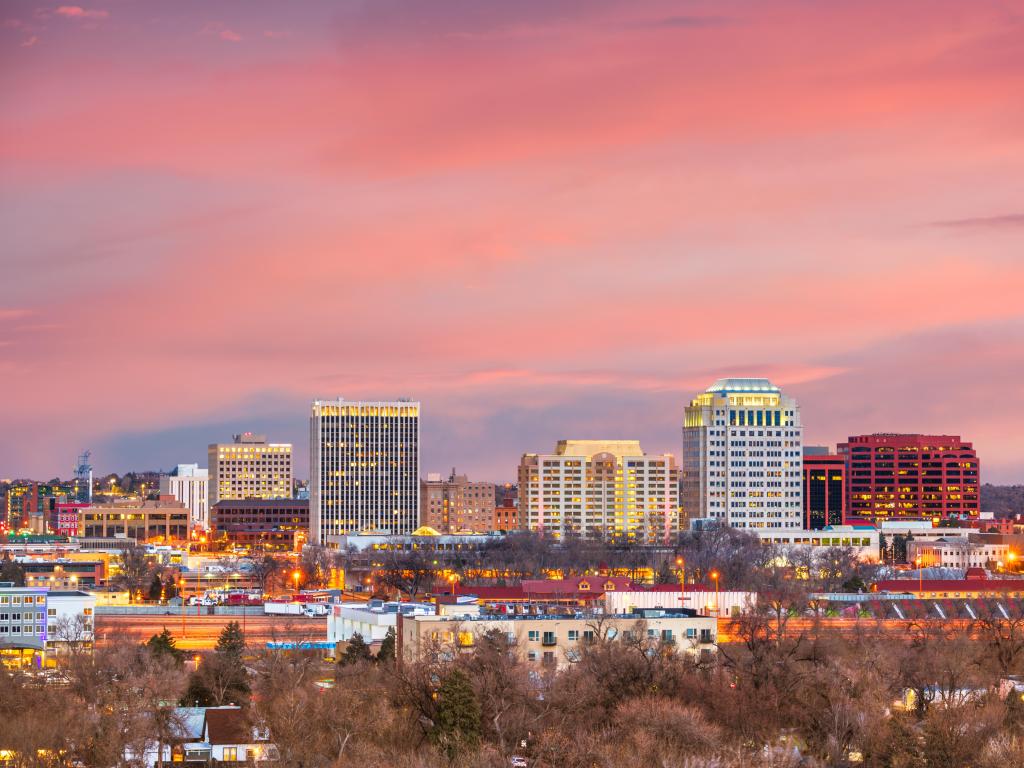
(457, 726)
(357, 650)
(156, 587)
(134, 570)
(386, 654)
(263, 569)
(231, 643)
(163, 645)
(221, 677)
(11, 571)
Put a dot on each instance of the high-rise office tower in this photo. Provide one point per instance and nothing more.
(824, 488)
(600, 489)
(743, 456)
(191, 486)
(250, 468)
(930, 477)
(364, 464)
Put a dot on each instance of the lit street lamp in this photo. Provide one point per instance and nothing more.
(714, 577)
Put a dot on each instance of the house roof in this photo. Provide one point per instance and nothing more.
(226, 725)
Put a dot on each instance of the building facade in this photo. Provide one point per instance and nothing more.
(557, 640)
(743, 456)
(162, 520)
(455, 504)
(506, 516)
(824, 490)
(923, 477)
(364, 468)
(191, 486)
(958, 552)
(249, 468)
(22, 625)
(270, 524)
(600, 489)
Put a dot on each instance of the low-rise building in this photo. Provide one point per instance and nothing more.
(957, 552)
(70, 616)
(22, 625)
(863, 540)
(273, 524)
(64, 572)
(163, 520)
(371, 620)
(557, 640)
(974, 585)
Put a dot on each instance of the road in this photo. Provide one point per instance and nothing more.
(201, 632)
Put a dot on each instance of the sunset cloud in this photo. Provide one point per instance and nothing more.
(78, 12)
(544, 219)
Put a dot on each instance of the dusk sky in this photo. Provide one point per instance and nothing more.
(542, 218)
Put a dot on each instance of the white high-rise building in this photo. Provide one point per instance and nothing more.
(364, 468)
(743, 456)
(191, 486)
(608, 490)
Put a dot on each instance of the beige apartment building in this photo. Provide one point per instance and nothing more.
(165, 519)
(600, 489)
(456, 505)
(250, 468)
(557, 640)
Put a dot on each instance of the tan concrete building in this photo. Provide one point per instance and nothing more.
(250, 468)
(165, 520)
(557, 640)
(600, 489)
(456, 504)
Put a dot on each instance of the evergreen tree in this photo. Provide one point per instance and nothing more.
(386, 653)
(457, 726)
(156, 587)
(231, 643)
(356, 651)
(164, 644)
(11, 571)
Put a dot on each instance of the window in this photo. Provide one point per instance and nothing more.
(230, 754)
(574, 634)
(534, 635)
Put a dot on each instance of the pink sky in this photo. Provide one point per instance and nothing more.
(543, 219)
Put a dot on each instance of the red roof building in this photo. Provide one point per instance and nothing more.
(975, 584)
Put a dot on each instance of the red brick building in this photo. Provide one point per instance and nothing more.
(278, 524)
(921, 477)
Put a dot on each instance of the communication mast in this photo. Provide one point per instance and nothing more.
(83, 475)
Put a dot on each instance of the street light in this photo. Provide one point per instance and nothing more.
(181, 594)
(681, 567)
(296, 575)
(714, 577)
(920, 576)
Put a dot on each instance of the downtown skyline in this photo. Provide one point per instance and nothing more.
(559, 220)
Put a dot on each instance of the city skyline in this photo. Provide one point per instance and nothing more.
(549, 220)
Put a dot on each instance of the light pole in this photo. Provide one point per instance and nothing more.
(681, 567)
(920, 576)
(714, 577)
(181, 594)
(296, 575)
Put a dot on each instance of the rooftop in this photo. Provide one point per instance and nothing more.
(742, 385)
